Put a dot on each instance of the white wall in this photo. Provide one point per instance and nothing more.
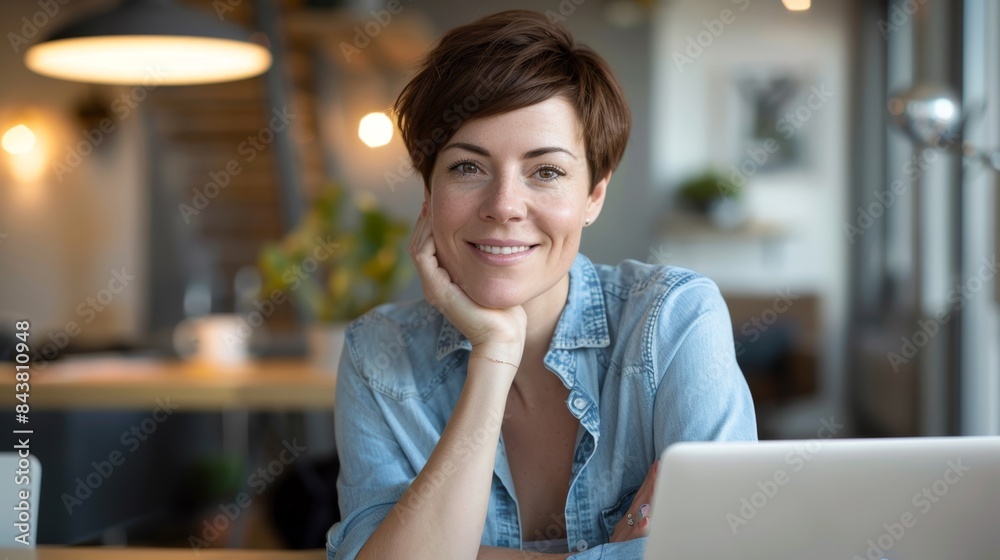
(694, 115)
(65, 237)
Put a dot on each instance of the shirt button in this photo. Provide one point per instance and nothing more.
(581, 545)
(579, 403)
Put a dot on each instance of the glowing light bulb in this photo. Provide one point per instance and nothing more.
(375, 129)
(944, 109)
(18, 139)
(797, 5)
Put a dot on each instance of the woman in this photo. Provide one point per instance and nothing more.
(523, 402)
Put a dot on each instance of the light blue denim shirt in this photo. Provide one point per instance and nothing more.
(645, 350)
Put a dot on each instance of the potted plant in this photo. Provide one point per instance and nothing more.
(337, 271)
(714, 197)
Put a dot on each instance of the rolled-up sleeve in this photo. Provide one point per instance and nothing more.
(702, 394)
(374, 473)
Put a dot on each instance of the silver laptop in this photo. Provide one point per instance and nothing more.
(874, 499)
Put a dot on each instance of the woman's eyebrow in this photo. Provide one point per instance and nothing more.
(469, 147)
(542, 151)
(527, 155)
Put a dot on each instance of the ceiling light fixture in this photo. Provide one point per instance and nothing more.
(797, 5)
(144, 40)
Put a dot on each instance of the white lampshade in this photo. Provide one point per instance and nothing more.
(797, 5)
(149, 41)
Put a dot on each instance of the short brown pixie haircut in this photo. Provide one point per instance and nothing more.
(502, 63)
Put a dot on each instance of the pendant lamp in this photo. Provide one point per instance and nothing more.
(143, 41)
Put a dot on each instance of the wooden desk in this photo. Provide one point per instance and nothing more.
(142, 384)
(136, 383)
(109, 553)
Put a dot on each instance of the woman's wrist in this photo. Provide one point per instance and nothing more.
(509, 353)
(494, 360)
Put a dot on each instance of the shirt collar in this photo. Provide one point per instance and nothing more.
(582, 324)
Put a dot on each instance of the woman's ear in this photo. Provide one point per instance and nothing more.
(595, 200)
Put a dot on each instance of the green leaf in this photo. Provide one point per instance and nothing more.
(367, 268)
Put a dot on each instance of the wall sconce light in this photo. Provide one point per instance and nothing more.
(797, 5)
(375, 129)
(19, 139)
(26, 140)
(144, 39)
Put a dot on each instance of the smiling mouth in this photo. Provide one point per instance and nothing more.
(494, 250)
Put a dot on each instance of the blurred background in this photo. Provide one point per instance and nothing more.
(187, 253)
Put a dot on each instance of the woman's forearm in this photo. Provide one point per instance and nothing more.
(443, 512)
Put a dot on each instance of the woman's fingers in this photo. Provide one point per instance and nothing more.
(438, 288)
(650, 482)
(417, 237)
(647, 490)
(422, 249)
(643, 500)
(477, 323)
(433, 277)
(422, 252)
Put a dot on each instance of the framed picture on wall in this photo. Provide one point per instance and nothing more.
(772, 113)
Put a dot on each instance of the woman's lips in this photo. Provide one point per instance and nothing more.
(490, 258)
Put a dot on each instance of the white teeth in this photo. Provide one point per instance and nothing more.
(502, 250)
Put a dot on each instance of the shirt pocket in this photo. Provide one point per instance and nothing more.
(613, 514)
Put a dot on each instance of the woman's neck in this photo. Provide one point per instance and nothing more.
(543, 316)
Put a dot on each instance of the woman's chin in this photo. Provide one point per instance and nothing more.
(495, 299)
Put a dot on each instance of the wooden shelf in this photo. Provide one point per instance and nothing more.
(687, 227)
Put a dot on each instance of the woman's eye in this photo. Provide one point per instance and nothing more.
(468, 168)
(549, 173)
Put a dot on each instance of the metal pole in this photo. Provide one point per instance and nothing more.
(290, 187)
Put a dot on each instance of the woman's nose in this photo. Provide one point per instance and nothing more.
(504, 199)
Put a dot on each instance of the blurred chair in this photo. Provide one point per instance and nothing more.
(19, 515)
(305, 504)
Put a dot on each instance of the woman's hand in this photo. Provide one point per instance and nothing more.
(502, 331)
(640, 519)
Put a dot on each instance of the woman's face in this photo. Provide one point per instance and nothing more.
(506, 182)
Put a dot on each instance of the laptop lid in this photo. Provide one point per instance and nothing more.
(867, 499)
